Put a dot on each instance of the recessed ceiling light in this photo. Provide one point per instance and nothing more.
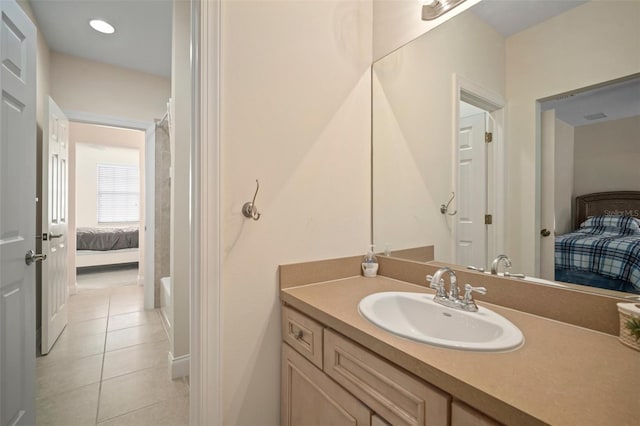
(102, 26)
(595, 116)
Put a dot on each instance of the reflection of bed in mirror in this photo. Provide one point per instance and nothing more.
(603, 251)
(106, 246)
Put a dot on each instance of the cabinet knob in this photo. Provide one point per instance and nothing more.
(298, 334)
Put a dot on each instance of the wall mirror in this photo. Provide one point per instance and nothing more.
(497, 72)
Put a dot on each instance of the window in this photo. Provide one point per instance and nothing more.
(118, 193)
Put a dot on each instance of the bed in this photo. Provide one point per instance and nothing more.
(604, 249)
(106, 246)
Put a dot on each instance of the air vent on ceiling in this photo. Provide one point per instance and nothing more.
(596, 116)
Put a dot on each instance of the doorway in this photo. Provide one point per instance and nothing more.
(478, 174)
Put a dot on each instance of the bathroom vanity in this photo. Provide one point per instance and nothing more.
(338, 368)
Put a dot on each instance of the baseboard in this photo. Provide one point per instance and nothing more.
(179, 367)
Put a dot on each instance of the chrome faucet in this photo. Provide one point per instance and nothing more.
(452, 299)
(496, 262)
(507, 263)
(437, 283)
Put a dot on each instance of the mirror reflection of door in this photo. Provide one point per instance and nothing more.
(471, 171)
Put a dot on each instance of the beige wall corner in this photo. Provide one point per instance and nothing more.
(92, 87)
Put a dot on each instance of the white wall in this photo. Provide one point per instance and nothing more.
(412, 134)
(87, 159)
(563, 163)
(607, 156)
(82, 85)
(592, 43)
(295, 115)
(180, 186)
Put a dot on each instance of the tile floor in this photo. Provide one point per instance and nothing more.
(110, 366)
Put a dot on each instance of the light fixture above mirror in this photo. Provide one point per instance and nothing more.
(431, 9)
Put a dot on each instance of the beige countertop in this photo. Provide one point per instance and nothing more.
(562, 375)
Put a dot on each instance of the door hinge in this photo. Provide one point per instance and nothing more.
(488, 137)
(488, 219)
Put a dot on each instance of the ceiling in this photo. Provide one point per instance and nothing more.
(509, 17)
(616, 101)
(142, 40)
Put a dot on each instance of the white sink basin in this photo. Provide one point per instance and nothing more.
(416, 316)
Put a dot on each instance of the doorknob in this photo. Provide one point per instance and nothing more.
(52, 236)
(545, 232)
(31, 257)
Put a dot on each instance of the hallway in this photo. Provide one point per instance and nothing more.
(110, 365)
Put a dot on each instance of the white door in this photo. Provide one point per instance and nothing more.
(547, 195)
(55, 293)
(17, 215)
(471, 240)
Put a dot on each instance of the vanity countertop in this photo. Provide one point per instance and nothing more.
(563, 375)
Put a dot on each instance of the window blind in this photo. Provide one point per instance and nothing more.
(118, 193)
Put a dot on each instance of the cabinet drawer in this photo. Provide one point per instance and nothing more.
(463, 415)
(303, 334)
(398, 397)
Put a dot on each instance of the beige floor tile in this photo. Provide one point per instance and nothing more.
(130, 392)
(69, 347)
(63, 376)
(174, 412)
(134, 336)
(83, 328)
(107, 278)
(127, 289)
(126, 305)
(135, 358)
(87, 301)
(132, 319)
(74, 408)
(88, 313)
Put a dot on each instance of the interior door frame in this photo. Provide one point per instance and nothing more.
(205, 400)
(490, 101)
(149, 129)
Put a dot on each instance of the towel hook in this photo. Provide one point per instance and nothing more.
(445, 208)
(249, 208)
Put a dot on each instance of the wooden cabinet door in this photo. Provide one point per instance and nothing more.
(463, 415)
(310, 398)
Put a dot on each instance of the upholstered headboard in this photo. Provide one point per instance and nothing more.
(615, 203)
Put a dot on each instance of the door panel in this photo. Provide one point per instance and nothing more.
(17, 215)
(55, 291)
(471, 206)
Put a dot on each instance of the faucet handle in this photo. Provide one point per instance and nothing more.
(468, 304)
(510, 275)
(439, 287)
(473, 268)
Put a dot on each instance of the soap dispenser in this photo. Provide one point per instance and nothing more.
(370, 264)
